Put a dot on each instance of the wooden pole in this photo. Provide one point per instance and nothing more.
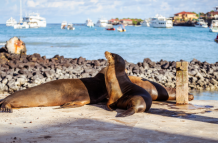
(181, 83)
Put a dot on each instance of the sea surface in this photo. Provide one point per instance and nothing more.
(133, 45)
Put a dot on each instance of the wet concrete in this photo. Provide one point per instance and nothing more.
(165, 122)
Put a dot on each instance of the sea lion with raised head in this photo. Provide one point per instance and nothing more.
(16, 46)
(67, 93)
(122, 92)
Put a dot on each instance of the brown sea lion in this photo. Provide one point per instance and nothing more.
(157, 91)
(15, 45)
(67, 93)
(122, 92)
(96, 93)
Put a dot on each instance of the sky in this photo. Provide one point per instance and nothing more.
(77, 11)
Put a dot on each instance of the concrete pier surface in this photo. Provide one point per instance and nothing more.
(165, 122)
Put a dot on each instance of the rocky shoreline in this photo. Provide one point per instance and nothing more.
(19, 72)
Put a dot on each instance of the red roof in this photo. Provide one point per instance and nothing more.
(183, 12)
(114, 20)
(126, 20)
(215, 12)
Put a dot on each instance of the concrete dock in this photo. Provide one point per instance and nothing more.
(165, 122)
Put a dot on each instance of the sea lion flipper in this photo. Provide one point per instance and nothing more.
(73, 104)
(128, 112)
(6, 108)
(111, 107)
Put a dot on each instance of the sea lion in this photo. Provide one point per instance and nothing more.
(67, 93)
(157, 91)
(16, 46)
(95, 86)
(122, 92)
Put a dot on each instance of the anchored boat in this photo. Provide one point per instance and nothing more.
(70, 26)
(120, 29)
(11, 22)
(110, 27)
(214, 26)
(89, 23)
(102, 22)
(63, 24)
(23, 25)
(216, 40)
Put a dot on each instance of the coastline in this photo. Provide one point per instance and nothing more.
(24, 71)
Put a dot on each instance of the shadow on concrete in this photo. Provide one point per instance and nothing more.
(169, 113)
(94, 130)
(183, 115)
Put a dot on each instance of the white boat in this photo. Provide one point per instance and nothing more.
(121, 29)
(11, 22)
(70, 26)
(214, 26)
(89, 23)
(102, 22)
(34, 20)
(201, 24)
(145, 23)
(63, 24)
(161, 22)
(23, 25)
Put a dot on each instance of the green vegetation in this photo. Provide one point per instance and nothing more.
(136, 21)
(196, 14)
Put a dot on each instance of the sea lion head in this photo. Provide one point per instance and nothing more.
(190, 97)
(115, 60)
(16, 46)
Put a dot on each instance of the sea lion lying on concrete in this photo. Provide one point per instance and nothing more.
(121, 91)
(15, 45)
(67, 93)
(157, 91)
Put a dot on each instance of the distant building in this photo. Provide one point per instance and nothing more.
(114, 21)
(185, 16)
(212, 15)
(126, 21)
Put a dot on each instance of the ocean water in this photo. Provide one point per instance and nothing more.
(134, 45)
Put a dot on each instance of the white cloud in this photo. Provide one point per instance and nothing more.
(139, 8)
(94, 1)
(32, 3)
(55, 4)
(165, 6)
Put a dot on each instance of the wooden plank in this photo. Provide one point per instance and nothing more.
(181, 82)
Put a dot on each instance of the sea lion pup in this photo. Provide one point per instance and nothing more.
(157, 91)
(67, 93)
(16, 46)
(122, 92)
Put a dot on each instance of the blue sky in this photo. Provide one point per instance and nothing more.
(77, 11)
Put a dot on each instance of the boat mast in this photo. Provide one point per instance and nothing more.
(21, 19)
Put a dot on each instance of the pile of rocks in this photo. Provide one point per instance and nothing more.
(19, 72)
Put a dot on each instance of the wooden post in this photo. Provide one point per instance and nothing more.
(181, 82)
